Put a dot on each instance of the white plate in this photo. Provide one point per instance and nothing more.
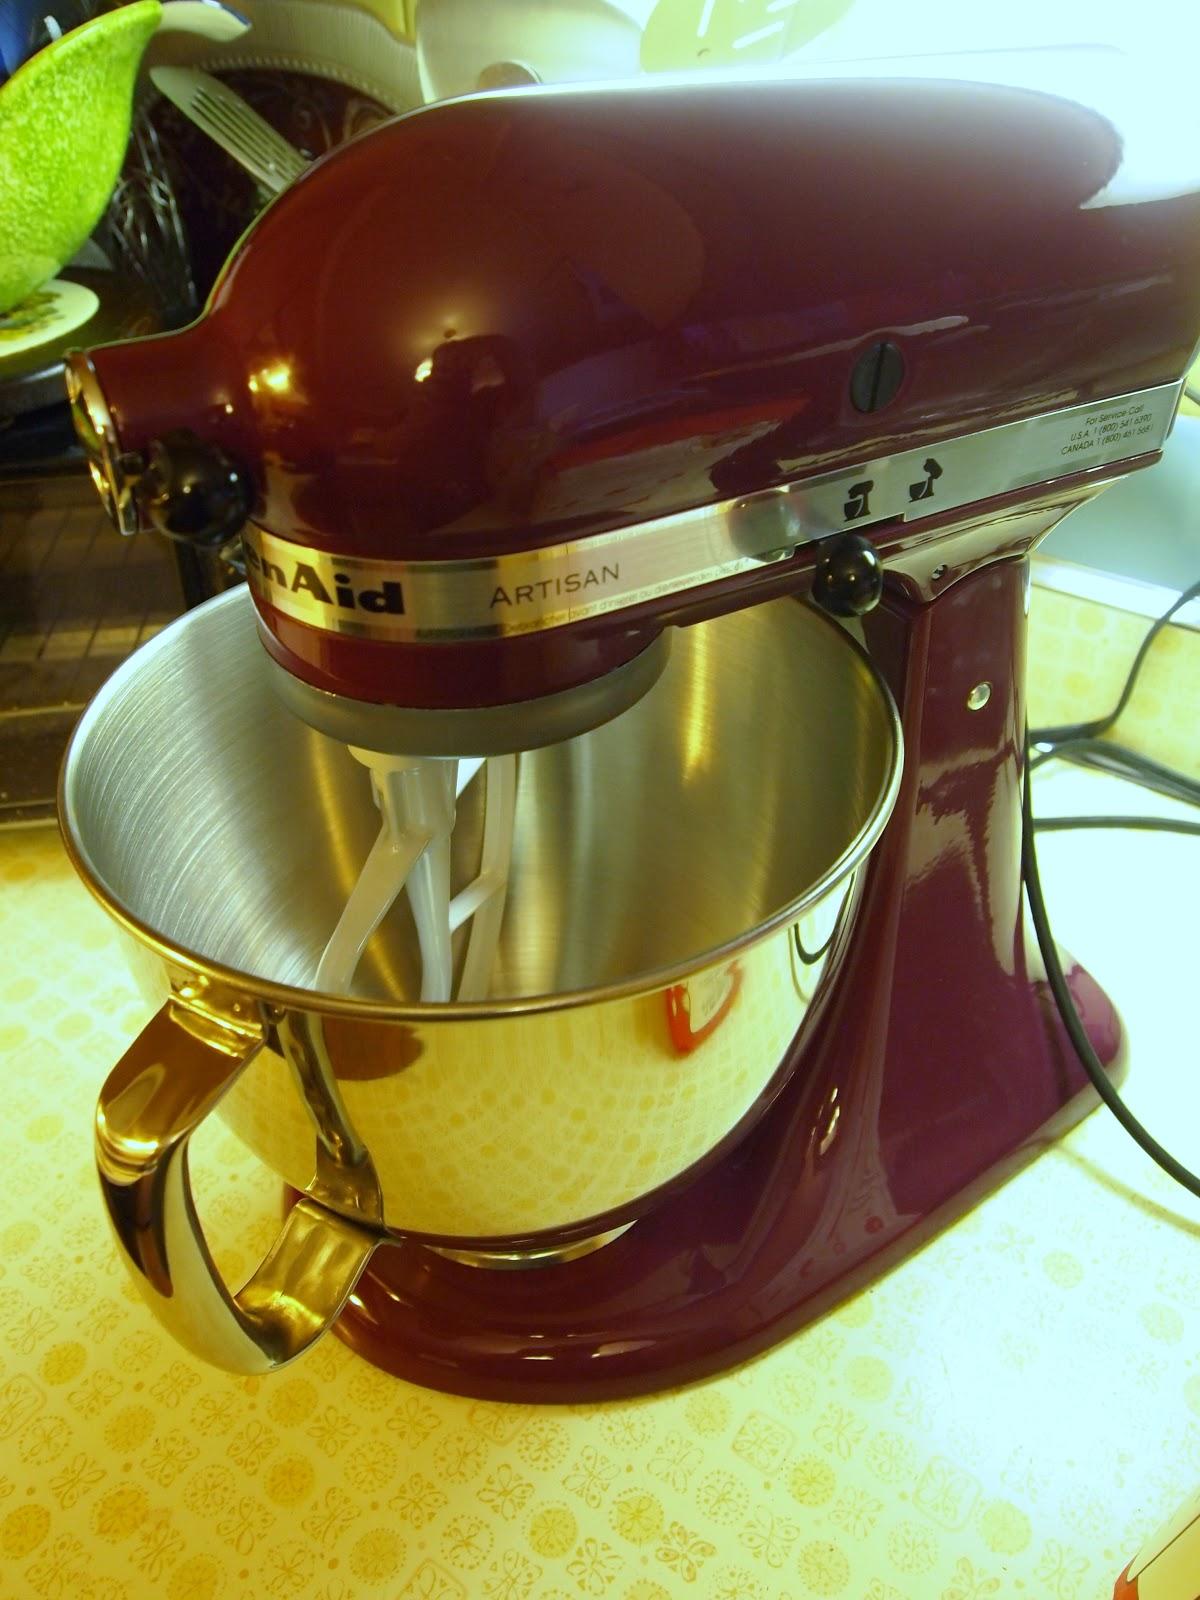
(339, 42)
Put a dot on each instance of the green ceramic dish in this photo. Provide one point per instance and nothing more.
(64, 126)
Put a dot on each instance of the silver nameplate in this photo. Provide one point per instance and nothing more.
(528, 590)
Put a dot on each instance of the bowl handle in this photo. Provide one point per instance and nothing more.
(155, 1097)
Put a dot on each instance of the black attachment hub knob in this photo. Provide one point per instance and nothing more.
(192, 491)
(848, 577)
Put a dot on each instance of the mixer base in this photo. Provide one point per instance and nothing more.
(938, 1066)
(809, 1208)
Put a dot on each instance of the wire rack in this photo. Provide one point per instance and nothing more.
(75, 601)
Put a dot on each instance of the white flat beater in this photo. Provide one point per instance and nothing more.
(417, 799)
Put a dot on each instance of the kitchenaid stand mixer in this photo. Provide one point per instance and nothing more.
(514, 387)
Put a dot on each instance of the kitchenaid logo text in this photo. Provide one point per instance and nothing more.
(522, 594)
(300, 577)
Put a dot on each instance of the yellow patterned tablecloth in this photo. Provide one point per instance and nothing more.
(1007, 1414)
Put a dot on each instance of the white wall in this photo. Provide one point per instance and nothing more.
(884, 27)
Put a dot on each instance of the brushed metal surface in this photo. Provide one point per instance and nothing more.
(683, 879)
(549, 586)
(737, 788)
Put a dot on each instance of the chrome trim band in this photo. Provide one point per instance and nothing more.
(97, 433)
(529, 590)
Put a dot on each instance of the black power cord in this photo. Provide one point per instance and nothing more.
(1083, 742)
(1058, 983)
(1108, 756)
(1093, 730)
(1132, 824)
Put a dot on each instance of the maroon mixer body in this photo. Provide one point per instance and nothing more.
(507, 389)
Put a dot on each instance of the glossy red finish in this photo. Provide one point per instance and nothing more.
(936, 1067)
(515, 320)
(470, 673)
(502, 671)
(507, 321)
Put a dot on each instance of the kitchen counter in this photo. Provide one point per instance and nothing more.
(1008, 1413)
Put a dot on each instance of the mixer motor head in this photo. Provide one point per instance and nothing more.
(508, 387)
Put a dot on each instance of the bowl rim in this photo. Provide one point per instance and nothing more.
(295, 998)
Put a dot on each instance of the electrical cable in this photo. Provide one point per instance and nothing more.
(1066, 1005)
(1081, 742)
(1133, 824)
(1107, 755)
(1093, 730)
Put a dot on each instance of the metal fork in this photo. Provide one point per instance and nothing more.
(231, 123)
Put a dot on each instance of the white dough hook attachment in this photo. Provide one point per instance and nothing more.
(416, 798)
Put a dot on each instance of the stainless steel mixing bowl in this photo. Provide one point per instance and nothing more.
(682, 882)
